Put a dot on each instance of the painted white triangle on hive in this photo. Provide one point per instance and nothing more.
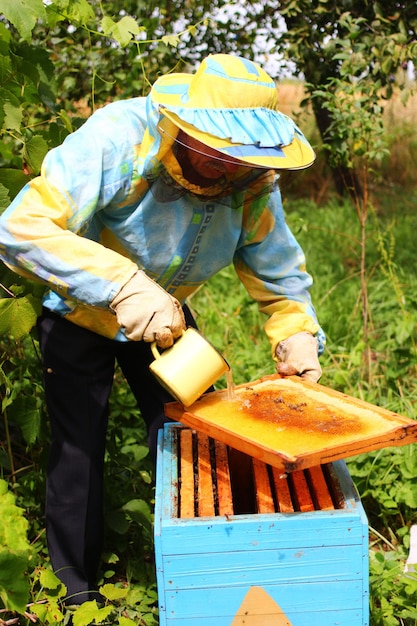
(259, 609)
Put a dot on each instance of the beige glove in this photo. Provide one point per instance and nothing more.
(148, 312)
(298, 355)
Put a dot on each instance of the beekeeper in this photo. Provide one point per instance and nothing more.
(130, 215)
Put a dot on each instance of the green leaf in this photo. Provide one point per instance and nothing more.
(13, 180)
(80, 11)
(387, 65)
(17, 316)
(49, 580)
(407, 493)
(14, 583)
(4, 198)
(13, 114)
(40, 610)
(35, 63)
(9, 397)
(25, 413)
(66, 120)
(107, 24)
(138, 510)
(125, 621)
(5, 37)
(171, 40)
(53, 613)
(13, 525)
(111, 592)
(23, 14)
(112, 558)
(49, 613)
(5, 61)
(89, 613)
(122, 31)
(34, 153)
(77, 12)
(15, 551)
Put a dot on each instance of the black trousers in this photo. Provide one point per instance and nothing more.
(78, 376)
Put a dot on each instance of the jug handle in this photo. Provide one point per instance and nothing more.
(155, 350)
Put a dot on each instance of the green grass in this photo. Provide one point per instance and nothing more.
(386, 479)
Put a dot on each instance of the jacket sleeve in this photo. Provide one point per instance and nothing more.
(271, 265)
(43, 231)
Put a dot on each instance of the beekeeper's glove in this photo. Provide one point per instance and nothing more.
(147, 312)
(298, 355)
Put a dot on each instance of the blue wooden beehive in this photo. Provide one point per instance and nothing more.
(237, 544)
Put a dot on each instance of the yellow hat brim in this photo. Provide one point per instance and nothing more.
(297, 155)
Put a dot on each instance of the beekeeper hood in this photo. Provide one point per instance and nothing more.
(229, 104)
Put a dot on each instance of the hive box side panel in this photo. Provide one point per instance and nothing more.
(165, 504)
(250, 532)
(330, 618)
(264, 566)
(313, 605)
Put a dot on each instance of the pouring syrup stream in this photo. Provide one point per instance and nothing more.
(230, 385)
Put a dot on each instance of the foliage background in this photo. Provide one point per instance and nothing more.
(62, 59)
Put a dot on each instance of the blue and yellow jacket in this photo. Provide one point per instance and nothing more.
(112, 198)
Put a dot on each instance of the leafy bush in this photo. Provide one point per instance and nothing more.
(15, 553)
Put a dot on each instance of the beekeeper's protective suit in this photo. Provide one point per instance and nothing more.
(123, 224)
